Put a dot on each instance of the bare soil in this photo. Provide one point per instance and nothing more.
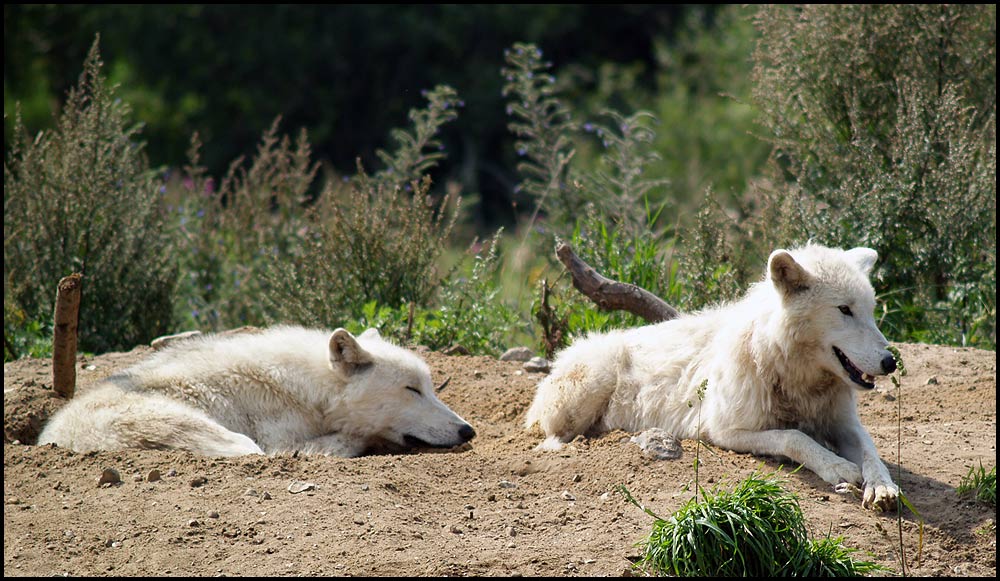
(495, 507)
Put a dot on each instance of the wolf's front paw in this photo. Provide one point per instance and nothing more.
(841, 472)
(880, 496)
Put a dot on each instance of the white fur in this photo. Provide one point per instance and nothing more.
(285, 389)
(774, 384)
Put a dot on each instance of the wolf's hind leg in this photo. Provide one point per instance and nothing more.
(112, 419)
(572, 400)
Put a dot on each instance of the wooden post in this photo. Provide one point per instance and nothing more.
(67, 317)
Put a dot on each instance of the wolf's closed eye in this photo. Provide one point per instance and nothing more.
(414, 390)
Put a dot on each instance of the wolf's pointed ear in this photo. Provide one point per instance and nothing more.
(370, 333)
(863, 257)
(346, 353)
(787, 275)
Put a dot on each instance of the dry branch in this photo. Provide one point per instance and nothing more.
(67, 316)
(611, 295)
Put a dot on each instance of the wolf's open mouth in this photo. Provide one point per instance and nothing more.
(857, 376)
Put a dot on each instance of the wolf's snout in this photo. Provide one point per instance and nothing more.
(888, 364)
(466, 432)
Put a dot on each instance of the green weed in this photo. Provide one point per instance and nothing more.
(755, 530)
(980, 484)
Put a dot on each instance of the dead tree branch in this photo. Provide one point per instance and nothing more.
(611, 295)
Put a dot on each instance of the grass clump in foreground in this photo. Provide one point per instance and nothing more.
(756, 529)
(980, 484)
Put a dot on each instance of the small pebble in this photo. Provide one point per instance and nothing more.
(537, 365)
(517, 354)
(109, 476)
(298, 486)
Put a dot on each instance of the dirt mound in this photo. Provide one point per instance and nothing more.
(493, 508)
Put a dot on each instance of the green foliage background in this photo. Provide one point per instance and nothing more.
(673, 147)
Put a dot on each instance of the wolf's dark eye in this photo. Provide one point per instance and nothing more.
(846, 310)
(414, 390)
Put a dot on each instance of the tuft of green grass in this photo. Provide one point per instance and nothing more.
(980, 484)
(757, 529)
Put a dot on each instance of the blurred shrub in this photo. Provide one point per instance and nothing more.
(603, 210)
(82, 198)
(544, 129)
(706, 135)
(230, 233)
(885, 119)
(347, 72)
(376, 240)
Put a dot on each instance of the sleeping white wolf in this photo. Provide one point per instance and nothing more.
(782, 365)
(285, 389)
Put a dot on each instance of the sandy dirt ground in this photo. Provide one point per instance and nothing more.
(494, 507)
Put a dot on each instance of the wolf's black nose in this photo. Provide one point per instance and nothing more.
(466, 433)
(888, 364)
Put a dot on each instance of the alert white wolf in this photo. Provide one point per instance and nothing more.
(781, 369)
(284, 389)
